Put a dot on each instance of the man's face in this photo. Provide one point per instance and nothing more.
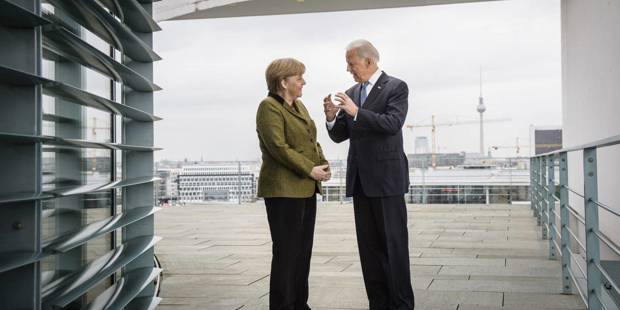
(361, 68)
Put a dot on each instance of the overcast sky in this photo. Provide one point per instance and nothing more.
(212, 72)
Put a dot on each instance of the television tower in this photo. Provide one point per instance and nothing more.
(481, 108)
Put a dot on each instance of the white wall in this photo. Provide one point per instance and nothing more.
(591, 96)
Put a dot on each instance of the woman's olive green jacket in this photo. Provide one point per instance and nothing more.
(287, 137)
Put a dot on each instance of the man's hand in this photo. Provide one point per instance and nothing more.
(346, 104)
(329, 108)
(321, 173)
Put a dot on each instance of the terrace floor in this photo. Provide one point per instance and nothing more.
(462, 257)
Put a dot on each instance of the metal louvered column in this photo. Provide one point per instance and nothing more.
(138, 164)
(20, 112)
(57, 216)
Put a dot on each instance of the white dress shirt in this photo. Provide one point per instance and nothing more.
(371, 83)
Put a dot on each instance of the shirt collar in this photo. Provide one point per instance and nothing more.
(374, 78)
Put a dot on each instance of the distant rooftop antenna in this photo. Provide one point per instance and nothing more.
(481, 108)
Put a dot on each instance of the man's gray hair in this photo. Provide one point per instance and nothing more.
(365, 49)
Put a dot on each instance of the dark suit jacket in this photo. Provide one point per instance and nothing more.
(376, 141)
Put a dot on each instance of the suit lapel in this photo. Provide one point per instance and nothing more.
(376, 90)
(292, 110)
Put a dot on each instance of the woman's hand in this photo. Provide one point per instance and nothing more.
(321, 173)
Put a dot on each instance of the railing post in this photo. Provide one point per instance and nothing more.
(591, 215)
(564, 222)
(532, 176)
(551, 205)
(537, 189)
(544, 212)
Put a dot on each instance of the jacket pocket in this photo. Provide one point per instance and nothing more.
(391, 155)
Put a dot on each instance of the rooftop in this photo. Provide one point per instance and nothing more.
(462, 257)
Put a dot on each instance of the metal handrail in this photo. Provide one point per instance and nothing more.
(557, 246)
(573, 256)
(608, 242)
(576, 238)
(555, 227)
(601, 302)
(604, 206)
(544, 197)
(608, 277)
(574, 192)
(576, 214)
(572, 276)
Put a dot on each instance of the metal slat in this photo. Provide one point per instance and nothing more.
(149, 303)
(16, 77)
(96, 229)
(18, 197)
(94, 18)
(89, 188)
(122, 292)
(65, 44)
(137, 18)
(12, 15)
(59, 119)
(17, 259)
(49, 140)
(61, 293)
(114, 7)
(57, 89)
(100, 145)
(84, 98)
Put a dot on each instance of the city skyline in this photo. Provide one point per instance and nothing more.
(437, 50)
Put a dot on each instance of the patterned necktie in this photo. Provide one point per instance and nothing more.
(363, 93)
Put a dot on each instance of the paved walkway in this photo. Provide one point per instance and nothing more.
(462, 257)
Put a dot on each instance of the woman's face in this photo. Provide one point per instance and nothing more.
(293, 85)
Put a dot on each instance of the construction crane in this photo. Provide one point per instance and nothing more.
(517, 147)
(433, 125)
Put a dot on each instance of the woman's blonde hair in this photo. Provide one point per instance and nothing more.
(280, 69)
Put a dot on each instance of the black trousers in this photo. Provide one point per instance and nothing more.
(383, 242)
(291, 222)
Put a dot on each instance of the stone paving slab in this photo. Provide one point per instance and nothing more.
(462, 257)
(536, 285)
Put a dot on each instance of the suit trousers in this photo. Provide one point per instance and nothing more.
(383, 242)
(291, 222)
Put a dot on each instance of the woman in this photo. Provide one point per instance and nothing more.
(290, 176)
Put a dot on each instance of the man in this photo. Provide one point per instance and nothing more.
(371, 115)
